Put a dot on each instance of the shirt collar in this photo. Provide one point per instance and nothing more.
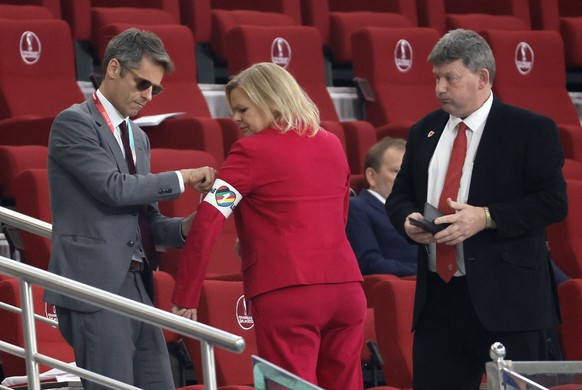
(377, 195)
(114, 115)
(475, 121)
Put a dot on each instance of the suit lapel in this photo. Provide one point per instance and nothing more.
(372, 200)
(110, 141)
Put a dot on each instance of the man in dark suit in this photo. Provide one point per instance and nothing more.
(100, 189)
(379, 248)
(500, 286)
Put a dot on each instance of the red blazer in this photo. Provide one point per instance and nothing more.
(293, 193)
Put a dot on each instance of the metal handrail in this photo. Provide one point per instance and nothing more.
(28, 275)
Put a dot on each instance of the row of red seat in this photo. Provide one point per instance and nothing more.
(390, 302)
(25, 118)
(211, 20)
(531, 74)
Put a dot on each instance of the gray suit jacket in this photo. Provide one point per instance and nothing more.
(94, 202)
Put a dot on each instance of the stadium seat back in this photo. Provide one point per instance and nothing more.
(25, 11)
(144, 18)
(37, 68)
(393, 302)
(25, 130)
(570, 294)
(222, 305)
(31, 191)
(355, 13)
(565, 17)
(481, 14)
(163, 289)
(531, 73)
(295, 48)
(49, 340)
(298, 50)
(147, 12)
(15, 159)
(572, 169)
(394, 62)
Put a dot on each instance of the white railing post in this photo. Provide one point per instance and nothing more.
(29, 329)
(208, 366)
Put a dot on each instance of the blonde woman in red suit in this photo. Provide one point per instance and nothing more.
(287, 184)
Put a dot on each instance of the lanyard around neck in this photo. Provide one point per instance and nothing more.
(107, 120)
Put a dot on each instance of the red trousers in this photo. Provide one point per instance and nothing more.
(314, 331)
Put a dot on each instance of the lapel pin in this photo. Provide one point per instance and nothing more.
(430, 134)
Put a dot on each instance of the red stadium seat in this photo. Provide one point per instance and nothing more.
(31, 192)
(163, 289)
(30, 10)
(524, 57)
(49, 339)
(37, 60)
(45, 9)
(222, 306)
(564, 16)
(565, 237)
(211, 20)
(393, 302)
(15, 159)
(572, 169)
(298, 49)
(393, 61)
(540, 59)
(225, 20)
(370, 325)
(25, 130)
(86, 17)
(570, 293)
(336, 20)
(195, 129)
(358, 183)
(477, 15)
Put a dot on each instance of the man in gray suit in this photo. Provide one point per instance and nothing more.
(100, 187)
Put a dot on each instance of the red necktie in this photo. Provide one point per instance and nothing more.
(147, 240)
(446, 255)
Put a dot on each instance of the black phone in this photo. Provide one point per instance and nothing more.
(427, 224)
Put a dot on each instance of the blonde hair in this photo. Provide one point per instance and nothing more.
(276, 92)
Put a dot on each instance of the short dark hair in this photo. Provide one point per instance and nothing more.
(374, 156)
(132, 45)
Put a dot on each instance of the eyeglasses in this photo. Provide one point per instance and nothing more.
(142, 84)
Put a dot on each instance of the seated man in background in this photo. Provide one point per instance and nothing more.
(377, 245)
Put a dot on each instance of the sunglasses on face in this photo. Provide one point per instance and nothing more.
(142, 84)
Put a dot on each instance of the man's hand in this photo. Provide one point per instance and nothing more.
(187, 224)
(466, 222)
(201, 179)
(416, 233)
(184, 312)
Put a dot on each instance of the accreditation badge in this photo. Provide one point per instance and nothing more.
(223, 197)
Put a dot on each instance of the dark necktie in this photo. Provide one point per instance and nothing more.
(446, 255)
(147, 240)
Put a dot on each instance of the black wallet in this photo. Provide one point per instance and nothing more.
(427, 224)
